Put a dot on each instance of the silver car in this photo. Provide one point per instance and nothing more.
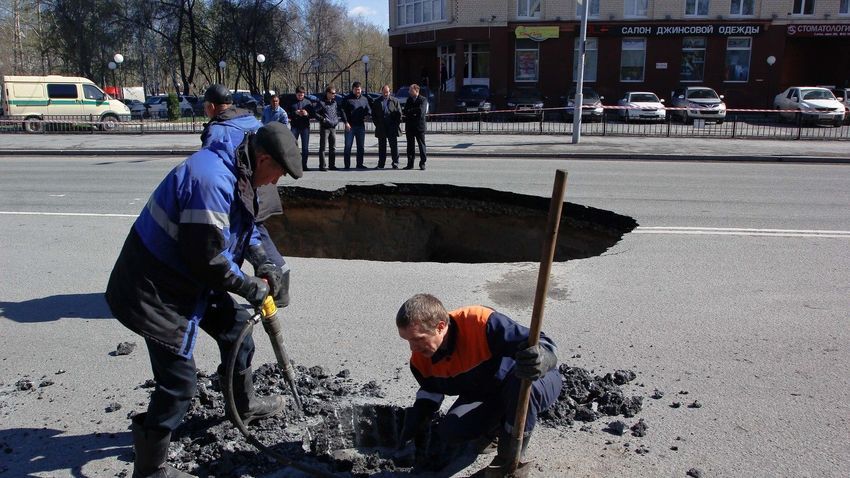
(698, 102)
(813, 104)
(641, 105)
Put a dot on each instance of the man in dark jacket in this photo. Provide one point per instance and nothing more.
(173, 276)
(300, 112)
(415, 109)
(327, 112)
(230, 126)
(386, 114)
(354, 109)
(481, 356)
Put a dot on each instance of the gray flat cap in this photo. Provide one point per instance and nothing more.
(277, 140)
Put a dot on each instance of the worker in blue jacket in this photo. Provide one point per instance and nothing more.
(176, 269)
(481, 356)
(230, 126)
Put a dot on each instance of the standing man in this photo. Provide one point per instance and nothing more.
(444, 76)
(301, 111)
(274, 112)
(386, 114)
(354, 109)
(415, 109)
(481, 356)
(176, 269)
(230, 126)
(327, 112)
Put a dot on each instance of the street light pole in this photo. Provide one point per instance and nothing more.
(579, 98)
(221, 66)
(112, 66)
(118, 59)
(261, 59)
(365, 60)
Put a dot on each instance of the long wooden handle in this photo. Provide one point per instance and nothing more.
(548, 255)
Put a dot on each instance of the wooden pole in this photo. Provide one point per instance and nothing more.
(547, 256)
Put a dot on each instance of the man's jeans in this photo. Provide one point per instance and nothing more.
(358, 133)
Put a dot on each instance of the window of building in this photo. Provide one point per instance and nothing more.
(61, 91)
(477, 55)
(528, 8)
(738, 59)
(844, 7)
(696, 8)
(743, 7)
(693, 58)
(526, 60)
(591, 56)
(632, 59)
(636, 8)
(804, 7)
(412, 12)
(593, 9)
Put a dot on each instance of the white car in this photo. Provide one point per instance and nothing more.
(843, 95)
(157, 107)
(698, 102)
(814, 105)
(641, 105)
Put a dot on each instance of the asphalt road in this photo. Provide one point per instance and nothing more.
(752, 323)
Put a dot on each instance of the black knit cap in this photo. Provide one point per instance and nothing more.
(218, 94)
(277, 140)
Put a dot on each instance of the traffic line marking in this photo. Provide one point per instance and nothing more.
(70, 214)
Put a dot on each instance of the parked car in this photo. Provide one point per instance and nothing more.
(525, 103)
(814, 105)
(157, 106)
(698, 102)
(248, 101)
(197, 103)
(404, 92)
(843, 95)
(591, 105)
(137, 108)
(641, 105)
(473, 99)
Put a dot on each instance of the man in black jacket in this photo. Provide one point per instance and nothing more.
(327, 112)
(300, 112)
(415, 110)
(354, 109)
(386, 114)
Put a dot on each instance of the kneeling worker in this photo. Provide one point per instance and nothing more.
(174, 274)
(480, 355)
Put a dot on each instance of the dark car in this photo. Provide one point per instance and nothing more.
(197, 103)
(591, 105)
(248, 101)
(526, 103)
(473, 99)
(404, 92)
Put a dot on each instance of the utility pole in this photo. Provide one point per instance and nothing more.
(579, 98)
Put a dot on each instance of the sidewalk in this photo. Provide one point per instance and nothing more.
(468, 146)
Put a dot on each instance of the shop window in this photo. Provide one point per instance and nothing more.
(528, 8)
(592, 11)
(591, 56)
(804, 7)
(412, 12)
(635, 8)
(738, 59)
(844, 7)
(693, 58)
(632, 59)
(696, 8)
(743, 7)
(526, 60)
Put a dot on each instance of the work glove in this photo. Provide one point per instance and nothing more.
(273, 274)
(416, 420)
(533, 362)
(254, 289)
(277, 276)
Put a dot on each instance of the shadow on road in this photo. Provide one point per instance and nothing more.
(55, 307)
(44, 451)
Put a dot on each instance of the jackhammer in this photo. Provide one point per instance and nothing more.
(269, 317)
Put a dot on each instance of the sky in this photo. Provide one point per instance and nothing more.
(373, 11)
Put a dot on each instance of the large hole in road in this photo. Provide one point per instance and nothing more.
(435, 223)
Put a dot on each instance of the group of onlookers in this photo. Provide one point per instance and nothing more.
(353, 110)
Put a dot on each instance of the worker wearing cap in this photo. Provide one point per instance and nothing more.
(176, 269)
(481, 356)
(230, 126)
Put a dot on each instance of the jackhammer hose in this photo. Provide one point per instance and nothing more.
(230, 403)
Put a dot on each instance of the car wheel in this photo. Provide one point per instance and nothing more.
(33, 125)
(686, 118)
(108, 123)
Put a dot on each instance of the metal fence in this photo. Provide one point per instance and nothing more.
(765, 124)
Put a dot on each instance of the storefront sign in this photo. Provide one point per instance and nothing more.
(819, 30)
(701, 29)
(537, 33)
(661, 66)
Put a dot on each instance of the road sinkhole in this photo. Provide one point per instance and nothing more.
(435, 223)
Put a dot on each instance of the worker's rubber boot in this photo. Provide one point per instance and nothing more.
(248, 404)
(151, 450)
(499, 466)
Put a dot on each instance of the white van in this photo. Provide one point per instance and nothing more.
(35, 99)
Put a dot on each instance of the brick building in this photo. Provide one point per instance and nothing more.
(748, 50)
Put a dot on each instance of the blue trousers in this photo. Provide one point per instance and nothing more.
(302, 135)
(358, 133)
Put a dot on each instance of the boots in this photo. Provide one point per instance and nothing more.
(151, 450)
(250, 406)
(499, 466)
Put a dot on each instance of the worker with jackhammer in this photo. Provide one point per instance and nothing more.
(176, 269)
(479, 355)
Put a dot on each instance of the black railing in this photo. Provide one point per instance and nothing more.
(765, 124)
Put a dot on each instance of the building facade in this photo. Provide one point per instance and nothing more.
(747, 50)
